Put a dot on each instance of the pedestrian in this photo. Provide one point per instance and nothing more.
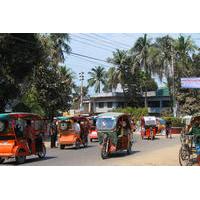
(168, 129)
(29, 134)
(54, 133)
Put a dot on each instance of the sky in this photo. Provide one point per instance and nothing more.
(101, 46)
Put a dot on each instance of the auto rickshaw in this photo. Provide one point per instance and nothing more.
(68, 136)
(114, 133)
(148, 127)
(93, 131)
(161, 126)
(13, 140)
(189, 152)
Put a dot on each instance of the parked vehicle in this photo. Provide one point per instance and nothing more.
(148, 127)
(13, 140)
(189, 152)
(114, 133)
(93, 131)
(69, 135)
(161, 126)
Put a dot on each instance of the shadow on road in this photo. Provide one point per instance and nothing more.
(122, 154)
(30, 160)
(74, 148)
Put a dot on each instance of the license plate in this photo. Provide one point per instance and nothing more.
(4, 142)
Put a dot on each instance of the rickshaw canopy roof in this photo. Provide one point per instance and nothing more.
(111, 114)
(149, 120)
(27, 116)
(63, 118)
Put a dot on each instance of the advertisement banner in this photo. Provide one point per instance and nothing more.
(190, 82)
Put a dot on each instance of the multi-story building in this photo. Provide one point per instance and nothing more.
(158, 101)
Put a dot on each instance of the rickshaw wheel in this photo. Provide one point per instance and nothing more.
(2, 160)
(104, 153)
(85, 144)
(152, 136)
(42, 153)
(20, 159)
(198, 160)
(129, 149)
(184, 157)
(62, 146)
(77, 144)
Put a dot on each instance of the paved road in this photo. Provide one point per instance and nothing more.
(91, 156)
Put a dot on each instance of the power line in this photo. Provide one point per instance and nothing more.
(102, 41)
(94, 62)
(85, 56)
(112, 48)
(100, 36)
(86, 43)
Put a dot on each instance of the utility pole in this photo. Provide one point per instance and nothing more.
(173, 83)
(81, 78)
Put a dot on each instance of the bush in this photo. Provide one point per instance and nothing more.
(174, 121)
(136, 113)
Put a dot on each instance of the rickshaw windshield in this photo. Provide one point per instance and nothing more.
(105, 123)
(65, 125)
(3, 126)
(162, 121)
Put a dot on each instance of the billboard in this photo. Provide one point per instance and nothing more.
(190, 82)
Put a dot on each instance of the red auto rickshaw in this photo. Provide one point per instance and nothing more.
(148, 127)
(93, 131)
(68, 135)
(13, 141)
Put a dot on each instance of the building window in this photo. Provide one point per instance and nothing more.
(101, 104)
(166, 104)
(154, 104)
(109, 104)
(120, 104)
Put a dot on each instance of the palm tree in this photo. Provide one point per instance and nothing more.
(121, 60)
(141, 53)
(60, 44)
(97, 78)
(184, 47)
(111, 83)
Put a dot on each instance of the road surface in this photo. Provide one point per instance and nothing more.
(161, 151)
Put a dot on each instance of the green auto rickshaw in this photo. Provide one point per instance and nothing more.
(114, 133)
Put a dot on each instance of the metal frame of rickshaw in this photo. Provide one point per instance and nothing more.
(69, 137)
(187, 153)
(105, 146)
(150, 131)
(19, 144)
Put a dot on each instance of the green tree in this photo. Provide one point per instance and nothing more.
(112, 82)
(141, 54)
(97, 75)
(19, 54)
(120, 60)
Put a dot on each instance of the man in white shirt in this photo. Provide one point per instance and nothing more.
(76, 126)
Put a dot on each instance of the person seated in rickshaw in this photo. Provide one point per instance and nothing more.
(122, 128)
(76, 126)
(3, 126)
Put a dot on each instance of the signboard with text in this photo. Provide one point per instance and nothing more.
(190, 82)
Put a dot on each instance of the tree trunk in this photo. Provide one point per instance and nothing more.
(145, 98)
